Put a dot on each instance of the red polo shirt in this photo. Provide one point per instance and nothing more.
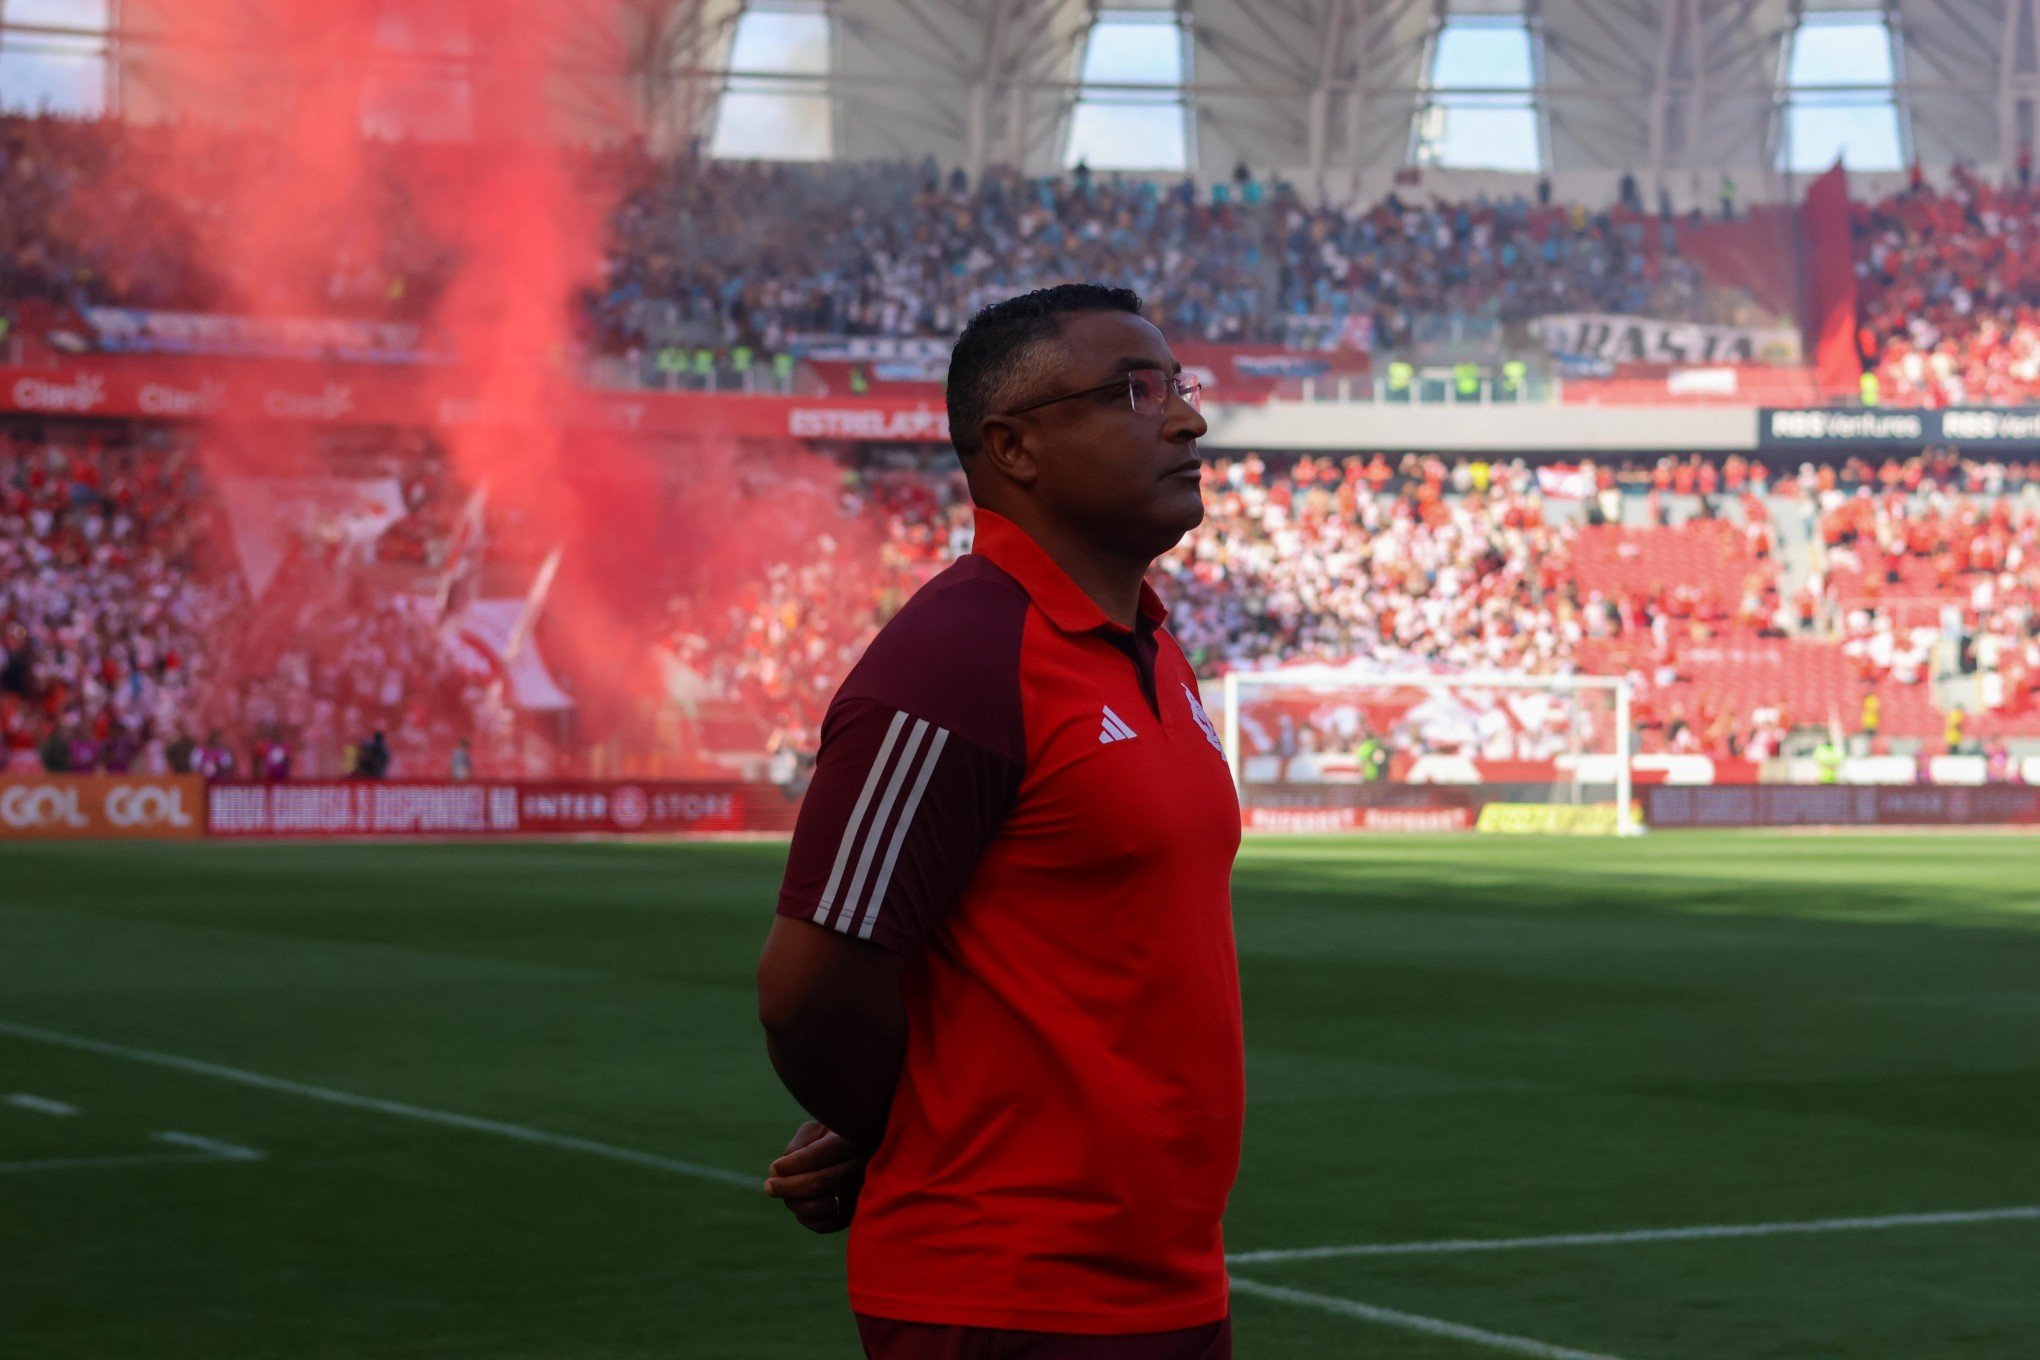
(1028, 801)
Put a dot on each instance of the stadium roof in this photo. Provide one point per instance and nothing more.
(1323, 92)
(1344, 88)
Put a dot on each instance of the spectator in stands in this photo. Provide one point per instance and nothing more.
(372, 761)
(272, 757)
(216, 758)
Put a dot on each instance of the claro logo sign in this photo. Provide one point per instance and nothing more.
(89, 805)
(84, 392)
(165, 399)
(332, 402)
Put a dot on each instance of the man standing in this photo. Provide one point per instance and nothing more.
(1002, 977)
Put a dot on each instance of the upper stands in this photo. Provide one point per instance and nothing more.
(763, 259)
(723, 254)
(1949, 292)
(101, 211)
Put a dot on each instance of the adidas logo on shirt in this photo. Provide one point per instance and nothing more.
(1114, 728)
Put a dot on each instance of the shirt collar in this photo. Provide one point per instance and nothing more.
(1012, 550)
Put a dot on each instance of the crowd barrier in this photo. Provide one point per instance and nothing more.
(1315, 808)
(167, 807)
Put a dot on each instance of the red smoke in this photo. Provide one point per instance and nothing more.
(487, 239)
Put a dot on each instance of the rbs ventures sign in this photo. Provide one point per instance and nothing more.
(2009, 429)
(87, 806)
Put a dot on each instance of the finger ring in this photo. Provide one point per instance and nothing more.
(839, 1206)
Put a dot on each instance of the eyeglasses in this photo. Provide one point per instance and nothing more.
(1147, 390)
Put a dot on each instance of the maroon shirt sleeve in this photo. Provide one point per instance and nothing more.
(922, 751)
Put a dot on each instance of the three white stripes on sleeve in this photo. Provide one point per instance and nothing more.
(898, 765)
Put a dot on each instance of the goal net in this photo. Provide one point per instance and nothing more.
(1329, 749)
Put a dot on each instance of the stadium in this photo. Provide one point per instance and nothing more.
(451, 453)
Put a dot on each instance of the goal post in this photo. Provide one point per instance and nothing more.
(1331, 748)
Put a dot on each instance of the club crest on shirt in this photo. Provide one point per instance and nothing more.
(1203, 721)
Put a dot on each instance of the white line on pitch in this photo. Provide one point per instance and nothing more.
(1414, 1322)
(232, 1152)
(40, 1104)
(1702, 1233)
(421, 1113)
(139, 1159)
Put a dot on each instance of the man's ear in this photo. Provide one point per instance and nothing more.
(1004, 450)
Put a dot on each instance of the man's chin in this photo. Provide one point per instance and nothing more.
(1175, 521)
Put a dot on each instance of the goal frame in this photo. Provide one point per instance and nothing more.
(1238, 683)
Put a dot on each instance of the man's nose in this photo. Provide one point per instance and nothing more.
(1185, 421)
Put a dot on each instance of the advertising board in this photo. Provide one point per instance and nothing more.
(1815, 427)
(349, 808)
(1548, 819)
(101, 806)
(1300, 821)
(1727, 805)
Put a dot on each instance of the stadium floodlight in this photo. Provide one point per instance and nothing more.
(1330, 748)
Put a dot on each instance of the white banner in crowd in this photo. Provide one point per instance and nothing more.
(479, 642)
(128, 330)
(1564, 482)
(1640, 339)
(265, 512)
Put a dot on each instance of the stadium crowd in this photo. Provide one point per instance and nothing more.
(1948, 299)
(1906, 573)
(755, 255)
(776, 646)
(101, 211)
(104, 618)
(131, 640)
(130, 637)
(1425, 563)
(759, 254)
(1443, 566)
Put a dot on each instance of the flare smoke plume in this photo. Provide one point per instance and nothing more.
(494, 234)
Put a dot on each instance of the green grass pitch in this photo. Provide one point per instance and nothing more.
(1449, 1039)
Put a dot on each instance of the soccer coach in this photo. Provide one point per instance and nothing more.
(1002, 977)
